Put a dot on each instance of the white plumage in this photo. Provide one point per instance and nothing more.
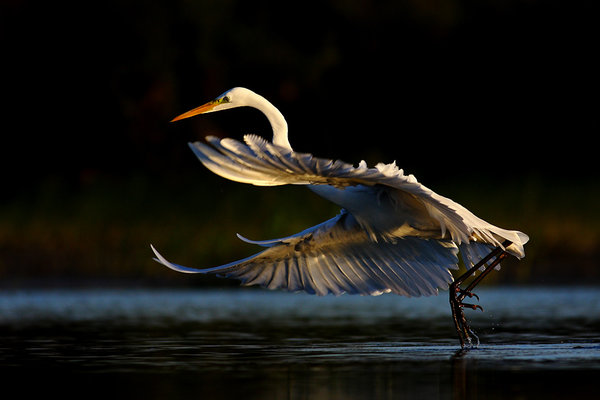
(392, 235)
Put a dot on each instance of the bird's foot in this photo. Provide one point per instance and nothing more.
(460, 296)
(466, 335)
(457, 294)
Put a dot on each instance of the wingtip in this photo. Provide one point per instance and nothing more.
(179, 268)
(524, 237)
(263, 243)
(159, 258)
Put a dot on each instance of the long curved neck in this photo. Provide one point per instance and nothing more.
(277, 121)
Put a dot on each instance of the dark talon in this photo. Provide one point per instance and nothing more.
(471, 306)
(465, 293)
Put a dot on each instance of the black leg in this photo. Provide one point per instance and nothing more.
(457, 295)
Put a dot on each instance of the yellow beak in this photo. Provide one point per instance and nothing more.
(198, 110)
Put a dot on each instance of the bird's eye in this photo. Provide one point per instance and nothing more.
(225, 99)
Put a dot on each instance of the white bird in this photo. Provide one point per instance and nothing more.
(392, 235)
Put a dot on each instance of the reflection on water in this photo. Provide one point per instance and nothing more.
(255, 344)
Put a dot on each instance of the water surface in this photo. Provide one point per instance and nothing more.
(256, 344)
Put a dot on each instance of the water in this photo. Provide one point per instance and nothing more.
(255, 344)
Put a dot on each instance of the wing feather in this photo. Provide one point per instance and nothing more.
(262, 163)
(338, 257)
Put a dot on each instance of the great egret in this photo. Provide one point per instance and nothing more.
(392, 235)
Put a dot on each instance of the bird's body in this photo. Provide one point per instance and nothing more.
(392, 235)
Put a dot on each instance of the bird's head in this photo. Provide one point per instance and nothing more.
(241, 97)
(232, 98)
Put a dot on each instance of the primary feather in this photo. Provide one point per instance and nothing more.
(338, 257)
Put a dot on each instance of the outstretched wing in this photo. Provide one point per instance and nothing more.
(338, 257)
(262, 163)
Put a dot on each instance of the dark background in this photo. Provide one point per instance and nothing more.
(492, 103)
